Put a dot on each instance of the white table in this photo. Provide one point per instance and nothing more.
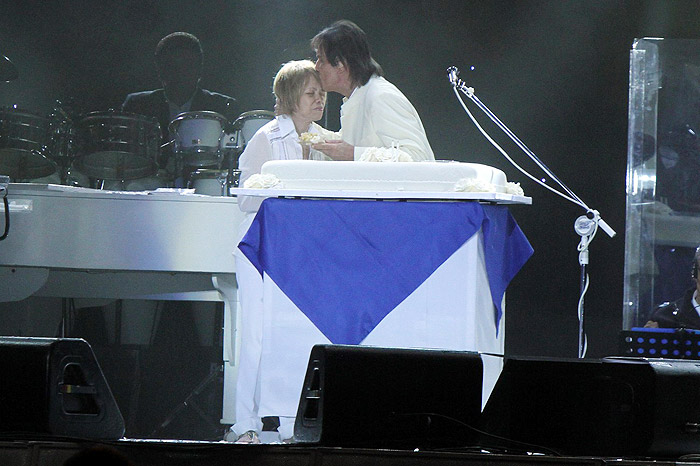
(453, 304)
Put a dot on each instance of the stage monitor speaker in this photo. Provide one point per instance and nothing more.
(55, 387)
(625, 407)
(370, 397)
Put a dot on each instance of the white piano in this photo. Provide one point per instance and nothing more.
(84, 243)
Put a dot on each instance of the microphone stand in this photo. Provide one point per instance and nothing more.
(586, 225)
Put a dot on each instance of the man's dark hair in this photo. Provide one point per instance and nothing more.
(344, 42)
(178, 41)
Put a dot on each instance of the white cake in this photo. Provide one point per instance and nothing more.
(438, 176)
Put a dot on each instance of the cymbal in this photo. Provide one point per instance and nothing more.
(8, 70)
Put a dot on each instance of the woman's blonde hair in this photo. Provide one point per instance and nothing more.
(289, 84)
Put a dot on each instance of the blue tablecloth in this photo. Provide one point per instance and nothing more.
(347, 264)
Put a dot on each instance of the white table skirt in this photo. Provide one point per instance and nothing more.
(452, 309)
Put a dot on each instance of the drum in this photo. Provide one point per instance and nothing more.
(212, 182)
(197, 138)
(23, 139)
(245, 126)
(117, 146)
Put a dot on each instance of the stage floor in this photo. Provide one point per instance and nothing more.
(176, 453)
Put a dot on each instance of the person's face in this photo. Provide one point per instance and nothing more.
(333, 78)
(180, 71)
(312, 101)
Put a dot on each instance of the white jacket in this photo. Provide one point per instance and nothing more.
(379, 115)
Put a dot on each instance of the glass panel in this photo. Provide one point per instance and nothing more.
(663, 174)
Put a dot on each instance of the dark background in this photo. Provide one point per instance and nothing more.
(556, 72)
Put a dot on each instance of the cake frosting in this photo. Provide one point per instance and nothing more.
(383, 154)
(433, 176)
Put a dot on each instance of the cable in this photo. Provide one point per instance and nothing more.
(587, 228)
(4, 184)
(524, 445)
(7, 218)
(583, 347)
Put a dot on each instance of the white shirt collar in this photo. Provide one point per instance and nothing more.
(345, 99)
(286, 126)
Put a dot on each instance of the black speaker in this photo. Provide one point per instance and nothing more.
(369, 397)
(629, 407)
(55, 387)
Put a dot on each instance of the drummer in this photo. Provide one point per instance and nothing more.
(179, 59)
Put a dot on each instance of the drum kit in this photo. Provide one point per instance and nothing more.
(119, 150)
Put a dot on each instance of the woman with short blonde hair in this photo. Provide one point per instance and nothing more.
(300, 101)
(288, 85)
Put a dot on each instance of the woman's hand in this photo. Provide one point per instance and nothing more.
(336, 149)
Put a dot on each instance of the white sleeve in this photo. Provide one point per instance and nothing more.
(256, 153)
(395, 121)
(326, 135)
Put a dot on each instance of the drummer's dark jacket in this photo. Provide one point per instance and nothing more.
(153, 104)
(677, 314)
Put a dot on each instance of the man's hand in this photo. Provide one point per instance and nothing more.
(336, 149)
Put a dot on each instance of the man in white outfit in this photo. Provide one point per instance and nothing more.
(375, 113)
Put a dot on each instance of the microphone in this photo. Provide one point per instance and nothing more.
(452, 73)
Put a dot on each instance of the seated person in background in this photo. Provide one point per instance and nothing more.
(300, 101)
(179, 59)
(683, 313)
(374, 112)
